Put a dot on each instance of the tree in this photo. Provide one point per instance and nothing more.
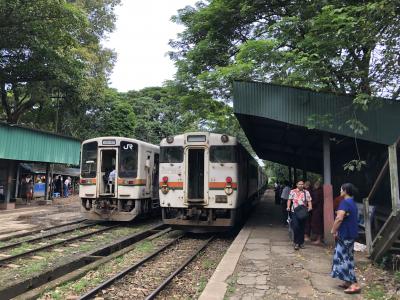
(340, 46)
(154, 113)
(52, 45)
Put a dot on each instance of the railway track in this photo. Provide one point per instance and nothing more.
(42, 230)
(149, 276)
(6, 259)
(77, 265)
(46, 234)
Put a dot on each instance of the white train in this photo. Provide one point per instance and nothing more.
(119, 178)
(207, 181)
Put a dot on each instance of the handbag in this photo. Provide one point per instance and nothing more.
(301, 211)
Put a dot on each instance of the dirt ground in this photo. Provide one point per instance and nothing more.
(34, 216)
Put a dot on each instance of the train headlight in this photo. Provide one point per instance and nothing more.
(170, 139)
(228, 187)
(228, 190)
(164, 189)
(224, 138)
(164, 185)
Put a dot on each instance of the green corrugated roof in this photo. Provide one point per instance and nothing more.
(20, 143)
(297, 106)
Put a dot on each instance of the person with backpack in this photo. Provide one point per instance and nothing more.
(299, 203)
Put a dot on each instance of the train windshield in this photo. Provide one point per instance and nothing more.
(223, 154)
(89, 160)
(172, 154)
(128, 160)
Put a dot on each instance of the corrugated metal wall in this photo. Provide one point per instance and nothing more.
(298, 106)
(19, 143)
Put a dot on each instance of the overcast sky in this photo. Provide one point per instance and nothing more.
(143, 29)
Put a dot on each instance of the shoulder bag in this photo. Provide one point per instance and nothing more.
(301, 211)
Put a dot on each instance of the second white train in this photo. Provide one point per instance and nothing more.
(208, 181)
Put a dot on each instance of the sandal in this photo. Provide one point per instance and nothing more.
(344, 285)
(352, 290)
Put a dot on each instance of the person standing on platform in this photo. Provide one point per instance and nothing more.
(24, 186)
(307, 226)
(300, 197)
(29, 189)
(345, 232)
(317, 216)
(284, 196)
(277, 189)
(66, 187)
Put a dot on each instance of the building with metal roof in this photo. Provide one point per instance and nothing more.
(314, 131)
(21, 144)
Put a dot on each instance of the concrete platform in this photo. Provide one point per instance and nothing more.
(28, 218)
(262, 264)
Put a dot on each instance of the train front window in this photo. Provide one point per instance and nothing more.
(89, 160)
(223, 154)
(128, 160)
(171, 154)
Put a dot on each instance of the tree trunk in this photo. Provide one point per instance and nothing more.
(4, 102)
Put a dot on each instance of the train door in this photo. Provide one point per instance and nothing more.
(148, 173)
(108, 172)
(195, 174)
(155, 176)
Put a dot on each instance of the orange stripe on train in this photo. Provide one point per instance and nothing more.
(131, 181)
(172, 184)
(221, 185)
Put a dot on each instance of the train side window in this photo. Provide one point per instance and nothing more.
(223, 154)
(89, 160)
(128, 160)
(172, 154)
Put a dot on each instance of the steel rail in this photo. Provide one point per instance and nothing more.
(121, 274)
(74, 269)
(22, 234)
(6, 259)
(47, 235)
(178, 270)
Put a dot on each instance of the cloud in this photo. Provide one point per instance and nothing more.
(143, 29)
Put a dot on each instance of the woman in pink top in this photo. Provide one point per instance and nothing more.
(298, 196)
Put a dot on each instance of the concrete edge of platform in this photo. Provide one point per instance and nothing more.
(217, 286)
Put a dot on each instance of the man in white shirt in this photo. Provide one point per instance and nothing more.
(111, 176)
(111, 180)
(66, 186)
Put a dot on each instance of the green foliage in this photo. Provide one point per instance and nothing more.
(397, 277)
(321, 121)
(339, 46)
(156, 112)
(357, 126)
(375, 292)
(52, 47)
(354, 165)
(279, 173)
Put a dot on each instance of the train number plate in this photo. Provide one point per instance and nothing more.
(221, 199)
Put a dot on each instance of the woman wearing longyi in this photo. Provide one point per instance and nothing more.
(345, 231)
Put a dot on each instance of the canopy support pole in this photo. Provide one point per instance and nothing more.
(328, 191)
(46, 186)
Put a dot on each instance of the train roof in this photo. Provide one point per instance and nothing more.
(118, 139)
(209, 138)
